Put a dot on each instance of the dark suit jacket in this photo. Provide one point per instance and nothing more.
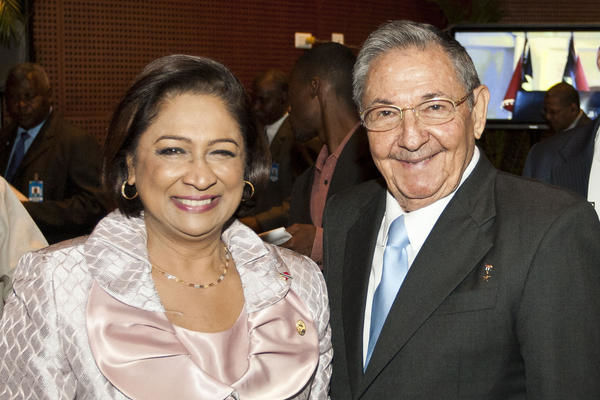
(528, 332)
(564, 159)
(354, 166)
(68, 161)
(272, 204)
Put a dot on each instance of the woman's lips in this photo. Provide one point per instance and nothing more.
(196, 204)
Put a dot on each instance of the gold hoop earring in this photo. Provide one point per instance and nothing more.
(251, 190)
(125, 194)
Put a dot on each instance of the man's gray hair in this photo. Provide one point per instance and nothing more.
(403, 34)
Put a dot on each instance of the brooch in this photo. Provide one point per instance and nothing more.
(301, 327)
(285, 275)
(487, 272)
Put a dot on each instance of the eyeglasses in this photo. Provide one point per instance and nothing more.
(381, 118)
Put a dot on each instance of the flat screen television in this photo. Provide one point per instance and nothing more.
(520, 62)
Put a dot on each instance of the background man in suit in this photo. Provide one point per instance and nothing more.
(561, 108)
(566, 160)
(39, 145)
(453, 280)
(289, 158)
(321, 104)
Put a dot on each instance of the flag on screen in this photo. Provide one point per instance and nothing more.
(523, 73)
(574, 74)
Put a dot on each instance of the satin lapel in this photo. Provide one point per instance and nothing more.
(458, 241)
(42, 142)
(358, 255)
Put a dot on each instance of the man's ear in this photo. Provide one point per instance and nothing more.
(481, 96)
(574, 109)
(315, 86)
(130, 169)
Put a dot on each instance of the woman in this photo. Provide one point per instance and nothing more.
(170, 297)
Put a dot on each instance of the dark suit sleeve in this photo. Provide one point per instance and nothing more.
(536, 165)
(82, 204)
(558, 320)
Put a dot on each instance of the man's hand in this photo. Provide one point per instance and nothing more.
(303, 237)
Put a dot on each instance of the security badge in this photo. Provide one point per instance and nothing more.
(274, 177)
(36, 191)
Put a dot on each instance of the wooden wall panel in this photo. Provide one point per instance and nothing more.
(92, 49)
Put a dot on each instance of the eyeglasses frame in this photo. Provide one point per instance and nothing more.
(413, 108)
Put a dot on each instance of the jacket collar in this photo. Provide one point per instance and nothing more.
(117, 258)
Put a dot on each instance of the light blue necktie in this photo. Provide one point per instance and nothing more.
(395, 267)
(17, 157)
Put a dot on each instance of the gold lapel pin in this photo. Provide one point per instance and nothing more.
(301, 327)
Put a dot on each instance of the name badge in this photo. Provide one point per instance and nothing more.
(36, 191)
(274, 172)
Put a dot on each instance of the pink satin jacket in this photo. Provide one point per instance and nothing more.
(86, 322)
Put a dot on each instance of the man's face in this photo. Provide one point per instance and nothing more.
(422, 163)
(559, 115)
(269, 102)
(27, 101)
(304, 108)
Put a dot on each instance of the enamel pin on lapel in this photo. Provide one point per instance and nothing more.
(285, 275)
(487, 272)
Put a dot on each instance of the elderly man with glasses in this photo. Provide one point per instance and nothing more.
(449, 279)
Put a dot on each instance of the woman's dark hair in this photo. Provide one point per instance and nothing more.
(162, 78)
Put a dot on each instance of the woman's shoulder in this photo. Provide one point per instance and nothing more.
(305, 276)
(67, 255)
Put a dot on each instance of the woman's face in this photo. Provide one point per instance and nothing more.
(188, 167)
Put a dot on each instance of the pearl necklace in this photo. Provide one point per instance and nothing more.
(197, 285)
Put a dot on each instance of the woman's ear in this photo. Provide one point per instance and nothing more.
(130, 169)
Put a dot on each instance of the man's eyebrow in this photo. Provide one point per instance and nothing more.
(424, 97)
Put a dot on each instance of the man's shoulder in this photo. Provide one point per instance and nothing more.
(7, 132)
(356, 198)
(529, 197)
(63, 128)
(572, 139)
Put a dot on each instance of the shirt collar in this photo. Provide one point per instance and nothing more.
(271, 130)
(117, 258)
(575, 121)
(324, 153)
(33, 132)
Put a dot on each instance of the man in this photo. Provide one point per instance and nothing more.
(456, 281)
(321, 104)
(49, 160)
(561, 108)
(270, 105)
(566, 160)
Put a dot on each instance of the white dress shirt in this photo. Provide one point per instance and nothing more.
(418, 224)
(594, 182)
(271, 130)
